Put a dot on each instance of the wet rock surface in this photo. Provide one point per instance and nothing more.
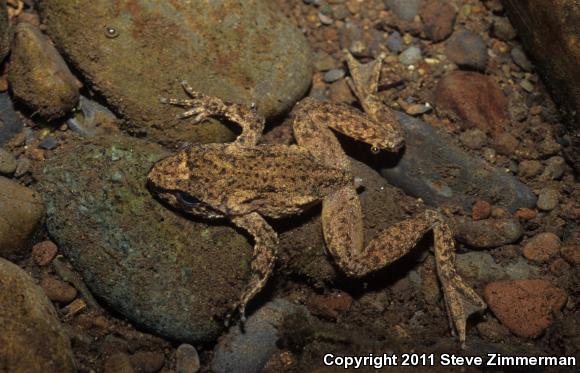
(141, 258)
(32, 338)
(134, 53)
(439, 172)
(526, 306)
(250, 351)
(37, 68)
(21, 211)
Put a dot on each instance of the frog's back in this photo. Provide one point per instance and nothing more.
(273, 180)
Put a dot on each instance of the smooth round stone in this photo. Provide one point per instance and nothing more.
(31, 338)
(7, 162)
(410, 56)
(37, 68)
(169, 274)
(134, 52)
(21, 210)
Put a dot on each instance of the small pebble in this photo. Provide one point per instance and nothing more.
(489, 154)
(571, 253)
(559, 267)
(526, 214)
(417, 109)
(147, 362)
(489, 233)
(493, 331)
(555, 167)
(505, 143)
(334, 75)
(503, 29)
(118, 363)
(7, 162)
(467, 49)
(339, 91)
(187, 359)
(529, 168)
(406, 10)
(48, 143)
(324, 61)
(548, 199)
(521, 59)
(410, 56)
(58, 291)
(395, 42)
(473, 138)
(500, 213)
(44, 252)
(542, 247)
(324, 19)
(527, 85)
(481, 210)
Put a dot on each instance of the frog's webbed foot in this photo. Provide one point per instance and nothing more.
(461, 301)
(365, 77)
(201, 107)
(365, 85)
(264, 257)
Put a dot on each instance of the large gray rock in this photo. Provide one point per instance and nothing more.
(21, 210)
(134, 52)
(31, 336)
(432, 168)
(169, 274)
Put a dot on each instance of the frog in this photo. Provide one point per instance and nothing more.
(247, 183)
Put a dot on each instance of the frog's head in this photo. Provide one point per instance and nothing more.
(171, 181)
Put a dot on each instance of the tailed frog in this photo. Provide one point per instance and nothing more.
(246, 183)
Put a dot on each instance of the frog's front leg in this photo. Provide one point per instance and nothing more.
(263, 259)
(203, 106)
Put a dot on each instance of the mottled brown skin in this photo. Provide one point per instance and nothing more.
(246, 182)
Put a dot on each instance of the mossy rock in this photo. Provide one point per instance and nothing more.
(167, 273)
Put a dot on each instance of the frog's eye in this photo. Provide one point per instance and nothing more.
(187, 200)
(375, 149)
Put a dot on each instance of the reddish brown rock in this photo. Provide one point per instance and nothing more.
(526, 214)
(58, 291)
(330, 306)
(44, 252)
(525, 306)
(559, 267)
(481, 210)
(571, 253)
(542, 247)
(474, 99)
(438, 19)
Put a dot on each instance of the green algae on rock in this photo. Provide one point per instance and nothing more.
(134, 52)
(39, 76)
(32, 338)
(171, 275)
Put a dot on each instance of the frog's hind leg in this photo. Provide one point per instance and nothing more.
(264, 257)
(391, 244)
(203, 106)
